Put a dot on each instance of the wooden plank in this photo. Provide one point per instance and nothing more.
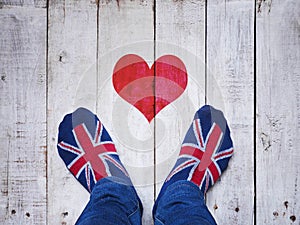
(230, 87)
(23, 116)
(72, 47)
(23, 3)
(180, 31)
(278, 112)
(126, 27)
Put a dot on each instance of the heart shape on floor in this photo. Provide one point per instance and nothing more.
(149, 89)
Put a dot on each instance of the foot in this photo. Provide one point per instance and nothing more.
(206, 150)
(87, 149)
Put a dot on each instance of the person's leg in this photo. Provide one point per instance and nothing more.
(182, 203)
(89, 153)
(204, 155)
(112, 203)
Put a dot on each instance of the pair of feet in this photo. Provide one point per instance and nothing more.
(90, 154)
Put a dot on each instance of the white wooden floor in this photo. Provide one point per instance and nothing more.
(241, 56)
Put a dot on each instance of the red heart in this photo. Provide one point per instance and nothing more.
(149, 89)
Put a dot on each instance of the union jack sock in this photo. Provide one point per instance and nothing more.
(87, 149)
(205, 151)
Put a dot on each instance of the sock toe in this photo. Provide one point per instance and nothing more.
(87, 149)
(206, 150)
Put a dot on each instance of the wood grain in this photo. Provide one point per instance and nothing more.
(216, 41)
(72, 54)
(23, 3)
(23, 116)
(230, 87)
(180, 31)
(126, 27)
(278, 112)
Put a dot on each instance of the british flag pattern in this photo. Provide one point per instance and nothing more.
(87, 149)
(205, 151)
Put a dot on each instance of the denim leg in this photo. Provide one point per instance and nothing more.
(182, 203)
(112, 202)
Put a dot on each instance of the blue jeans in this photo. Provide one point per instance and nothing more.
(115, 203)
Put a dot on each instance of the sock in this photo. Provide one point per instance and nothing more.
(87, 149)
(205, 151)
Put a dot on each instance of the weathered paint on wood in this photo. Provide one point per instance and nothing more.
(72, 54)
(278, 112)
(85, 40)
(230, 87)
(180, 31)
(24, 3)
(126, 27)
(23, 116)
